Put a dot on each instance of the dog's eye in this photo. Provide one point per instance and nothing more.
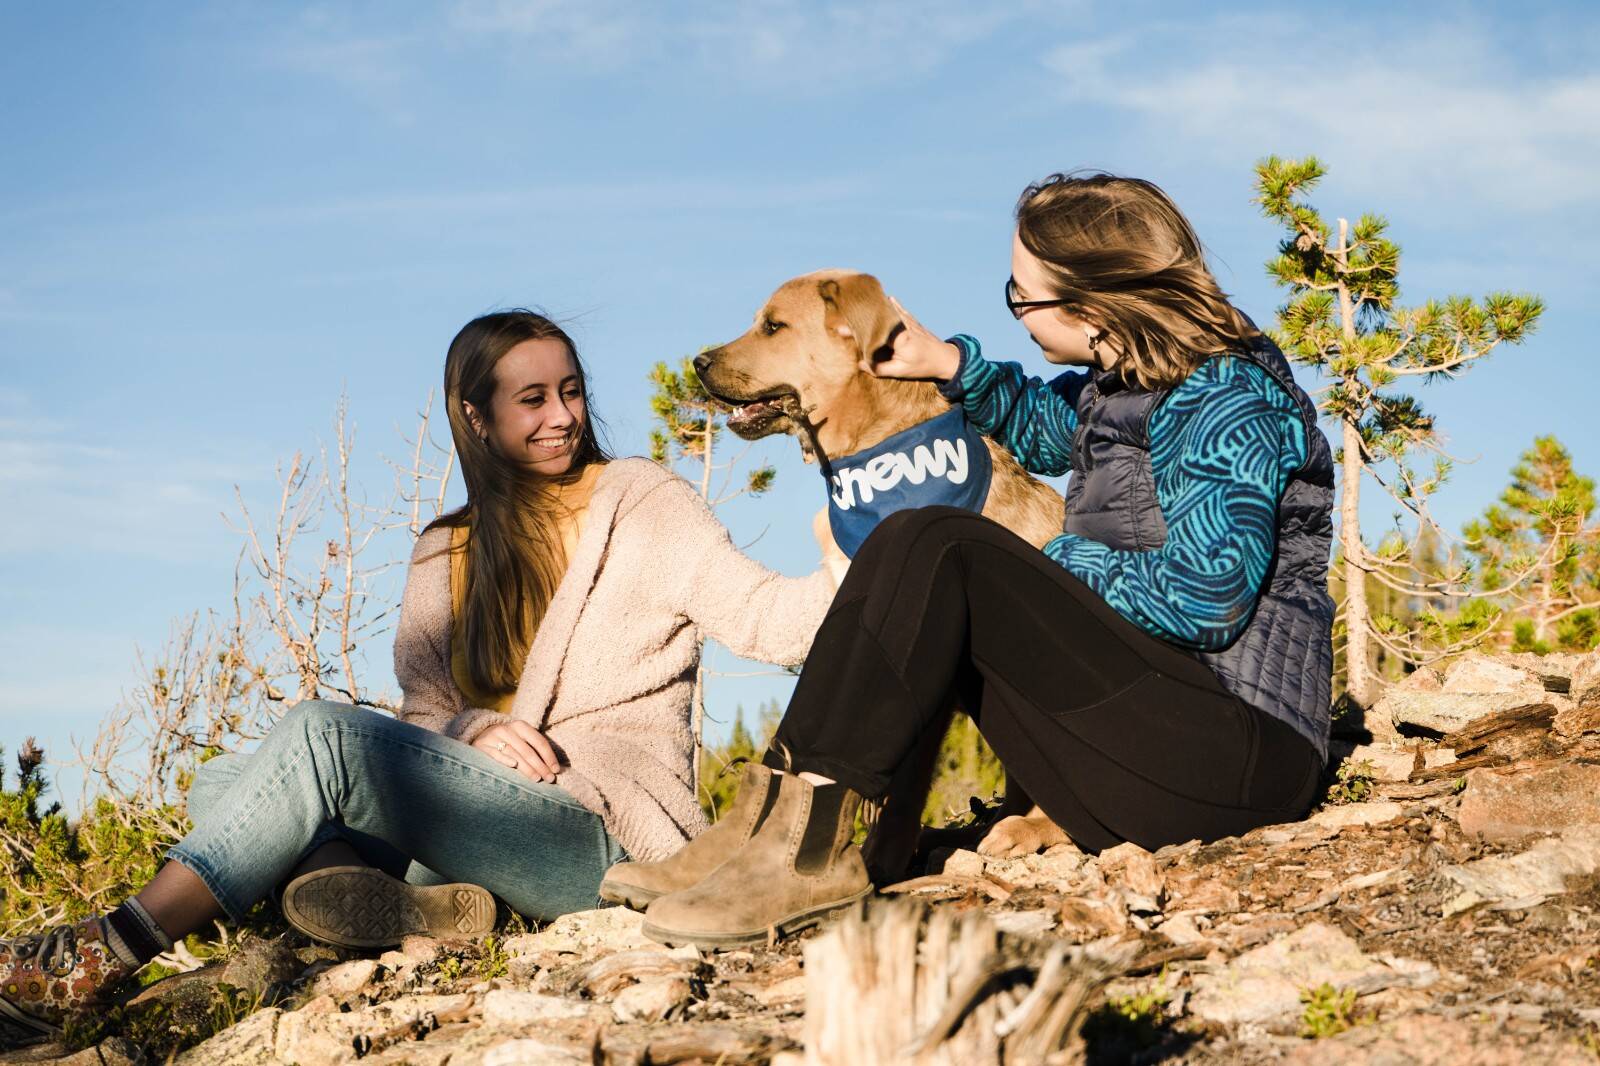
(771, 326)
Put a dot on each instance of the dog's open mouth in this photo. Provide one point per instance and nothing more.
(759, 415)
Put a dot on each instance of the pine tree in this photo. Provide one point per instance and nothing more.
(1540, 529)
(688, 424)
(1343, 318)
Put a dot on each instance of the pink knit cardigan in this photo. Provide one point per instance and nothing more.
(610, 674)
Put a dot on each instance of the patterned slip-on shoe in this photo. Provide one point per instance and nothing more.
(44, 978)
(363, 907)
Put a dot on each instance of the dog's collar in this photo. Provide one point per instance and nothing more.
(942, 461)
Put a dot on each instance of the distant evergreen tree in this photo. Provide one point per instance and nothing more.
(1540, 530)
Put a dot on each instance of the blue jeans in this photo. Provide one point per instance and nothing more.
(409, 800)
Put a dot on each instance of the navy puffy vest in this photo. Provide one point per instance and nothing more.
(1282, 663)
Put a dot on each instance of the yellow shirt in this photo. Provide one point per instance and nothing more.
(572, 508)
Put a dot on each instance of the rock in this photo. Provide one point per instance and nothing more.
(529, 1051)
(786, 990)
(1509, 804)
(259, 965)
(112, 1052)
(345, 979)
(1091, 918)
(1575, 721)
(1585, 683)
(516, 1007)
(1181, 929)
(654, 1000)
(1140, 876)
(1447, 712)
(1540, 871)
(1117, 857)
(1475, 672)
(585, 933)
(1429, 1040)
(331, 1038)
(1352, 814)
(612, 973)
(420, 949)
(1554, 671)
(1422, 679)
(1202, 894)
(1390, 762)
(964, 864)
(1264, 983)
(251, 1042)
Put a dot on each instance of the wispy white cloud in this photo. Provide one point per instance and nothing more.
(1440, 116)
(807, 48)
(615, 198)
(84, 495)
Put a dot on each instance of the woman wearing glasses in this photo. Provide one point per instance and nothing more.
(1159, 672)
(546, 650)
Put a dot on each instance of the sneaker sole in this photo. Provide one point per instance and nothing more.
(794, 923)
(360, 907)
(19, 1029)
(631, 896)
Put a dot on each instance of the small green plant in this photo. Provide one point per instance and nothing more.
(1128, 1023)
(164, 1028)
(494, 962)
(450, 968)
(1328, 1011)
(1459, 786)
(1590, 1042)
(1352, 783)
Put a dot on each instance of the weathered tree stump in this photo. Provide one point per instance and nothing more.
(900, 983)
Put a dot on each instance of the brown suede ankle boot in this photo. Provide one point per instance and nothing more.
(635, 884)
(799, 866)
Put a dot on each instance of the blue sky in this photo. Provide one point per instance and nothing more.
(215, 218)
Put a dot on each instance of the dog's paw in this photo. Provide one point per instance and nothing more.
(1020, 835)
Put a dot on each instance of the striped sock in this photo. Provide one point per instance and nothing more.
(133, 936)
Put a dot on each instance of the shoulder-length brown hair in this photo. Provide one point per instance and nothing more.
(514, 555)
(1127, 260)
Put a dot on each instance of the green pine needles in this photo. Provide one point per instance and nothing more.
(1344, 318)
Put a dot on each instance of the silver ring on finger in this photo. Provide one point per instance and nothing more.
(502, 746)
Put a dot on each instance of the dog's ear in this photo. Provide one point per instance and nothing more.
(855, 307)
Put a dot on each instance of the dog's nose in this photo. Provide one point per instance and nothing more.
(702, 362)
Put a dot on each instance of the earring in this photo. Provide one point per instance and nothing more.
(1094, 342)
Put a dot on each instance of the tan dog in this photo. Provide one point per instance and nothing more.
(799, 370)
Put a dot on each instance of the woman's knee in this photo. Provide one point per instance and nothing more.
(212, 780)
(896, 534)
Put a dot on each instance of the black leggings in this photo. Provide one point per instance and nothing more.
(1115, 734)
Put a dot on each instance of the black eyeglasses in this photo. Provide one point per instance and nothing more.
(1017, 306)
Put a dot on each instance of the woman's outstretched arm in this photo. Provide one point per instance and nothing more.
(755, 612)
(1034, 419)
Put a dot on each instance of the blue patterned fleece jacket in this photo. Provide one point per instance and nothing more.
(1223, 445)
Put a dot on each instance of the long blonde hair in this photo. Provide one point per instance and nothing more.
(514, 554)
(1127, 260)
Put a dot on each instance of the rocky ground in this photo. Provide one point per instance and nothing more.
(1441, 907)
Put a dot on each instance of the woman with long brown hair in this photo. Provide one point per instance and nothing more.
(548, 642)
(1159, 672)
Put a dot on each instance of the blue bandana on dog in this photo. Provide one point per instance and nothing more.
(940, 461)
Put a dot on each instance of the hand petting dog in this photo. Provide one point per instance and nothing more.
(918, 354)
